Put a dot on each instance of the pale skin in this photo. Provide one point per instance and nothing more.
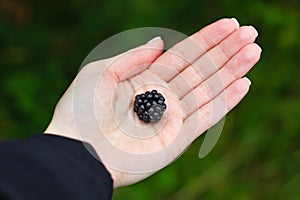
(191, 87)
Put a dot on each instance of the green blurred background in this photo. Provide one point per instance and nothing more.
(42, 44)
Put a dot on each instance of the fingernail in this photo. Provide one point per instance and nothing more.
(256, 33)
(154, 39)
(236, 22)
(259, 48)
(248, 80)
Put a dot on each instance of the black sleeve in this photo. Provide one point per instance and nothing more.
(51, 167)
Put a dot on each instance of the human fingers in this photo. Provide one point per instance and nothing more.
(209, 114)
(190, 49)
(212, 61)
(236, 68)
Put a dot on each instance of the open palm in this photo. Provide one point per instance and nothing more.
(200, 78)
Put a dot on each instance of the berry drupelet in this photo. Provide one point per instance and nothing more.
(149, 106)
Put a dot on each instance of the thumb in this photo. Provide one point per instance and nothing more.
(136, 60)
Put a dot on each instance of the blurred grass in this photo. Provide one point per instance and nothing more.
(42, 44)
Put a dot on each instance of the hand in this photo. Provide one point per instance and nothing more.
(200, 78)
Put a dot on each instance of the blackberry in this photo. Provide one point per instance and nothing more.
(149, 106)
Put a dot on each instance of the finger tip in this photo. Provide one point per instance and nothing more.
(153, 40)
(258, 47)
(235, 21)
(248, 80)
(254, 30)
(155, 43)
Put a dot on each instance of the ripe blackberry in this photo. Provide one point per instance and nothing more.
(149, 106)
